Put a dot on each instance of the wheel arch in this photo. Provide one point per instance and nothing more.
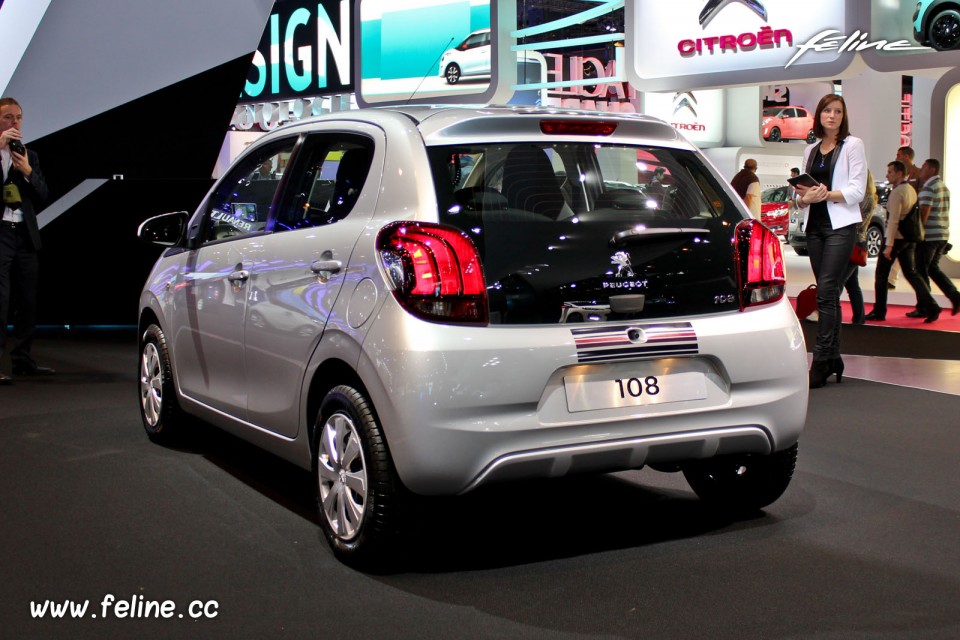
(933, 10)
(331, 373)
(147, 318)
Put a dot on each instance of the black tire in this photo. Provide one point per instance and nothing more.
(799, 251)
(452, 73)
(358, 492)
(774, 135)
(874, 240)
(163, 420)
(944, 31)
(742, 483)
(811, 137)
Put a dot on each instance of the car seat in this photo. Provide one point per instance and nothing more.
(529, 182)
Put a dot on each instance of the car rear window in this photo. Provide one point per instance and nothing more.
(580, 232)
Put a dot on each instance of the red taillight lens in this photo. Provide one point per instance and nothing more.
(435, 271)
(577, 127)
(760, 264)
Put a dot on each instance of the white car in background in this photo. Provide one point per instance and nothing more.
(410, 328)
(469, 58)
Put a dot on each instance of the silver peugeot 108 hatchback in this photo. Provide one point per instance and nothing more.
(423, 300)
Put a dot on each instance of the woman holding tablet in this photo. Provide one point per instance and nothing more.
(837, 162)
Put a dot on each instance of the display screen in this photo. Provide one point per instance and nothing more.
(425, 49)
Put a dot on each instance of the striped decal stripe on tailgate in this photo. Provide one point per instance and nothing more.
(609, 343)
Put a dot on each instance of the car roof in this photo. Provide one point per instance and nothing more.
(452, 124)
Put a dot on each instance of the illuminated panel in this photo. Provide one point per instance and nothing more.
(909, 25)
(304, 51)
(430, 50)
(713, 43)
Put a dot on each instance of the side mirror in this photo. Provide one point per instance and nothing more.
(165, 230)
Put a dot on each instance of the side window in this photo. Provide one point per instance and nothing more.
(327, 181)
(241, 204)
(474, 41)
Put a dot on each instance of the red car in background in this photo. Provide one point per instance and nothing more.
(775, 209)
(787, 123)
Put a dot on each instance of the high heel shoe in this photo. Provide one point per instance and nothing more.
(819, 371)
(836, 366)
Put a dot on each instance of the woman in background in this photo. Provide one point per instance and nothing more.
(851, 281)
(831, 211)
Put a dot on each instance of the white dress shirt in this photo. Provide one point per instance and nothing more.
(9, 215)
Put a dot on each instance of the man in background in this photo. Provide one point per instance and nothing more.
(906, 156)
(747, 185)
(899, 204)
(791, 192)
(24, 191)
(934, 201)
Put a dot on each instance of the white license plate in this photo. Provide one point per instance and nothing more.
(588, 393)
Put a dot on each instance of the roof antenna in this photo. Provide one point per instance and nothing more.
(442, 51)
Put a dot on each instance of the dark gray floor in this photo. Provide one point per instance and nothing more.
(863, 545)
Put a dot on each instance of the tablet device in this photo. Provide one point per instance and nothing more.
(803, 180)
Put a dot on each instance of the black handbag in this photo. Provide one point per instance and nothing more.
(911, 225)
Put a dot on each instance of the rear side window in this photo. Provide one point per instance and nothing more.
(578, 232)
(330, 173)
(241, 203)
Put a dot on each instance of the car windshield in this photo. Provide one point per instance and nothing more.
(771, 112)
(561, 224)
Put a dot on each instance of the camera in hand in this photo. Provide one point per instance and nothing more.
(17, 147)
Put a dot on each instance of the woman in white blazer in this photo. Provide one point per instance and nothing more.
(831, 215)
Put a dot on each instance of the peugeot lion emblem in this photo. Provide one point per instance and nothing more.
(714, 7)
(622, 260)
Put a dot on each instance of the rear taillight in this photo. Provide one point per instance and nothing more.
(759, 264)
(434, 271)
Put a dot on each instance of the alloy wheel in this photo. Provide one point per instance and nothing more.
(151, 384)
(874, 241)
(453, 74)
(342, 476)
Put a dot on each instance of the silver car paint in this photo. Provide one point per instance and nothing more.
(458, 401)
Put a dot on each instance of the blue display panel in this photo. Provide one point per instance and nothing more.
(428, 50)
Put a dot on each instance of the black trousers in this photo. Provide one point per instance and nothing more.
(829, 250)
(19, 276)
(903, 252)
(928, 266)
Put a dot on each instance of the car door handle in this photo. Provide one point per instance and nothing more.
(326, 266)
(238, 277)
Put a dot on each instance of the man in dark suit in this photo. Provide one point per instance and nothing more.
(24, 190)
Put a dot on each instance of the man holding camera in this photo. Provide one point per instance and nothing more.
(24, 189)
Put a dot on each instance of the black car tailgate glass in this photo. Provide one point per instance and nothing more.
(577, 232)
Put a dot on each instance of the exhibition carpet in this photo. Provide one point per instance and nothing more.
(896, 317)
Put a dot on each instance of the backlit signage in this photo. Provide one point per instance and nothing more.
(305, 51)
(698, 43)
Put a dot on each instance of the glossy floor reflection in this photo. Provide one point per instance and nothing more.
(942, 376)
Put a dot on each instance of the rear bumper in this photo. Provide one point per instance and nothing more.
(459, 410)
